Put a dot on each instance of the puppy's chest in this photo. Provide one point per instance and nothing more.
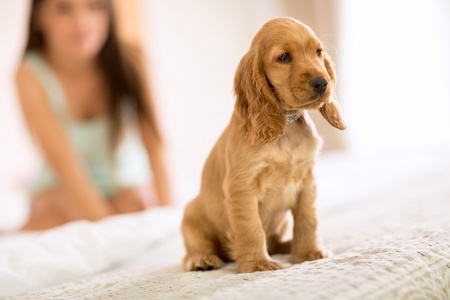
(290, 156)
(284, 170)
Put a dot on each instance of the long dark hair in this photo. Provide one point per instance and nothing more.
(124, 70)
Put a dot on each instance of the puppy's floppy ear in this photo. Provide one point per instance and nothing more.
(332, 113)
(263, 121)
(330, 110)
(329, 65)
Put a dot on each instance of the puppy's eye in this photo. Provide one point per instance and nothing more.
(285, 58)
(319, 52)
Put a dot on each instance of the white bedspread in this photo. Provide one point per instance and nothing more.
(395, 244)
(30, 261)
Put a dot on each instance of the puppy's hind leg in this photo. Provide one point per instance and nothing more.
(275, 245)
(201, 251)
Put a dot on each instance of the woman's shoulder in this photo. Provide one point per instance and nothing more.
(35, 74)
(29, 67)
(32, 95)
(29, 87)
(26, 77)
(32, 59)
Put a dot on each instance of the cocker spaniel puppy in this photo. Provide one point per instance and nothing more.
(262, 166)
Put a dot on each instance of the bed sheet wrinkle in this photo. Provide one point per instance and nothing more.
(79, 249)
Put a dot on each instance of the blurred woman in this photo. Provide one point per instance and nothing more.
(85, 96)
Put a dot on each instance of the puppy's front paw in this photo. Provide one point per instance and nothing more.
(202, 262)
(256, 266)
(306, 255)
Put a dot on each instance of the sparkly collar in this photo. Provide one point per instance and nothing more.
(294, 116)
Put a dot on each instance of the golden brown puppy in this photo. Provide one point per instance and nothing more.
(262, 165)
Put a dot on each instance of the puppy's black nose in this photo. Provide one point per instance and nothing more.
(319, 85)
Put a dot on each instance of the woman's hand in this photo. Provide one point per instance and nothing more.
(158, 162)
(134, 199)
(99, 210)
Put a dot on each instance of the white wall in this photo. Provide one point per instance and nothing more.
(396, 72)
(16, 150)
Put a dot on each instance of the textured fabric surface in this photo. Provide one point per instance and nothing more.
(394, 245)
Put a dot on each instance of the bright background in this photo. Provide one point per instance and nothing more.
(393, 78)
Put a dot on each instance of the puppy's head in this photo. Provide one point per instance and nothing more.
(285, 70)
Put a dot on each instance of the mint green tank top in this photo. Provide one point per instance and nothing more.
(109, 171)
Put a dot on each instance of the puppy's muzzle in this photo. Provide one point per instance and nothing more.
(319, 85)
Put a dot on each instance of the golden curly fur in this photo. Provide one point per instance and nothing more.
(262, 167)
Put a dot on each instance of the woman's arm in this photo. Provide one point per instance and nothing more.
(56, 147)
(148, 124)
(156, 154)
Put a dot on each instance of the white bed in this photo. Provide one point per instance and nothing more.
(386, 217)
